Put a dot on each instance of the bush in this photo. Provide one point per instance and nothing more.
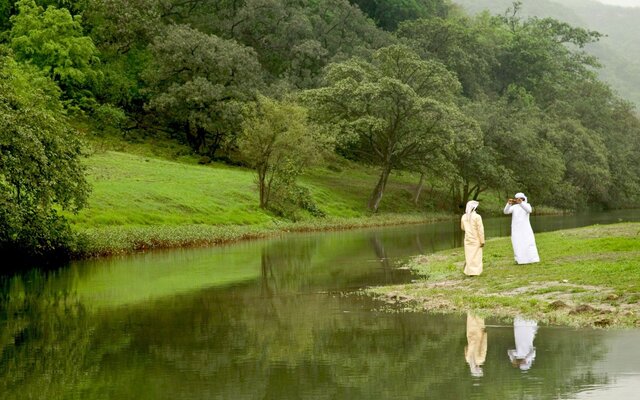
(31, 235)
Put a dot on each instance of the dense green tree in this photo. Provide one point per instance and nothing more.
(294, 40)
(612, 127)
(7, 9)
(199, 83)
(40, 168)
(278, 142)
(122, 31)
(475, 166)
(122, 25)
(344, 30)
(53, 40)
(514, 129)
(466, 46)
(587, 176)
(597, 133)
(393, 112)
(542, 55)
(389, 13)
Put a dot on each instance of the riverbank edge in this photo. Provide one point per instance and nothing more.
(119, 240)
(125, 239)
(548, 297)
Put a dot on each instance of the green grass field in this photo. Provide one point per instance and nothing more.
(586, 277)
(130, 189)
(141, 200)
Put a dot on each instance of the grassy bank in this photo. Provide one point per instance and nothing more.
(131, 189)
(587, 277)
(111, 240)
(144, 201)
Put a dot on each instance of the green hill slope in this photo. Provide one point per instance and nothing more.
(130, 189)
(141, 201)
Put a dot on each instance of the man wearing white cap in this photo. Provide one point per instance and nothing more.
(524, 243)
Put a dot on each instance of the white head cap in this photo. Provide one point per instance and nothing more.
(471, 205)
(520, 195)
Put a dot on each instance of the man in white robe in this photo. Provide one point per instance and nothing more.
(522, 239)
(524, 331)
(471, 225)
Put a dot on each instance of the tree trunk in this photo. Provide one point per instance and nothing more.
(477, 192)
(262, 187)
(455, 197)
(376, 196)
(201, 138)
(418, 191)
(465, 196)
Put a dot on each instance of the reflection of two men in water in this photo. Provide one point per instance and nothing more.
(475, 353)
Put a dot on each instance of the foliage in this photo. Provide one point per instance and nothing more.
(388, 14)
(467, 46)
(616, 52)
(7, 9)
(122, 25)
(537, 55)
(277, 142)
(53, 40)
(40, 168)
(393, 112)
(108, 119)
(295, 40)
(199, 82)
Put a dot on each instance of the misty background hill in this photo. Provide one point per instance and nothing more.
(619, 51)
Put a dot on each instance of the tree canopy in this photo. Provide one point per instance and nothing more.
(393, 112)
(40, 169)
(478, 104)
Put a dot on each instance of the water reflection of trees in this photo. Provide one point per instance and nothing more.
(287, 266)
(312, 264)
(269, 340)
(307, 346)
(50, 347)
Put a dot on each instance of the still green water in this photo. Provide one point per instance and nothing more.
(281, 319)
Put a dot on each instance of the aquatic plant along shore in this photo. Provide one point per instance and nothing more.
(587, 277)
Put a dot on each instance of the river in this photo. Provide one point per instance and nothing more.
(282, 319)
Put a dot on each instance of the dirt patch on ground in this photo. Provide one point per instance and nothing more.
(556, 302)
(439, 284)
(426, 259)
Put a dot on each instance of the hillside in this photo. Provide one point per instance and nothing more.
(131, 189)
(144, 199)
(618, 52)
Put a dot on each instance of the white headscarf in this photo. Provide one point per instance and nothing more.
(471, 206)
(520, 195)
